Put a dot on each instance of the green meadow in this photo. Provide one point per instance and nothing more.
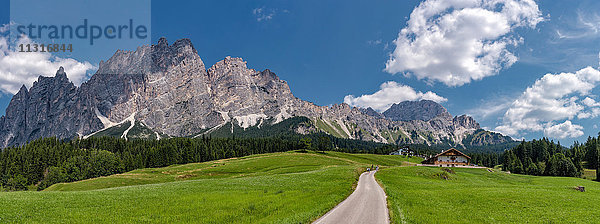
(286, 187)
(293, 187)
(431, 195)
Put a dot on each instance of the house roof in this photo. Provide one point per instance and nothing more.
(449, 150)
(452, 149)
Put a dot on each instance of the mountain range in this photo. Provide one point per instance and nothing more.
(165, 90)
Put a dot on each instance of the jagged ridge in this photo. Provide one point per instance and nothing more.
(168, 89)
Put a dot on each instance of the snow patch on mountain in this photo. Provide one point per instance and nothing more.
(105, 121)
(249, 120)
(110, 124)
(131, 119)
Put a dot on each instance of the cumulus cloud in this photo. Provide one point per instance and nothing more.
(389, 93)
(590, 102)
(564, 130)
(23, 68)
(457, 41)
(592, 113)
(553, 98)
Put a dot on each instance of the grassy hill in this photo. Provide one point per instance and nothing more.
(269, 188)
(293, 187)
(423, 195)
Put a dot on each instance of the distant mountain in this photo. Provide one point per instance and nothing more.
(165, 90)
(423, 110)
(369, 111)
(482, 138)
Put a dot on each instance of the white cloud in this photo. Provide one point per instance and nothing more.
(553, 98)
(263, 14)
(23, 68)
(389, 93)
(586, 25)
(490, 108)
(592, 113)
(564, 130)
(5, 28)
(590, 102)
(457, 41)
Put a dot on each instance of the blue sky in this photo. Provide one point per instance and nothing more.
(327, 50)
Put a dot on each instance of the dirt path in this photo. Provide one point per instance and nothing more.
(367, 204)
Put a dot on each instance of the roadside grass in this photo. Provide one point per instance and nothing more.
(431, 195)
(268, 188)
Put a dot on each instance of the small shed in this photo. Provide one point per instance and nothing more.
(405, 151)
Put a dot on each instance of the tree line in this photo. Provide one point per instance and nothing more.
(545, 157)
(489, 159)
(47, 161)
(542, 157)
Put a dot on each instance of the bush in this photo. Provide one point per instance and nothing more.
(104, 163)
(55, 175)
(17, 183)
(533, 170)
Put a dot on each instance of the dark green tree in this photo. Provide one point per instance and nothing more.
(597, 162)
(55, 175)
(17, 183)
(560, 165)
(325, 143)
(306, 143)
(533, 169)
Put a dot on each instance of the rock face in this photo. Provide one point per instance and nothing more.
(168, 89)
(423, 110)
(52, 107)
(369, 111)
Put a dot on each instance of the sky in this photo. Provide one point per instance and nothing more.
(524, 68)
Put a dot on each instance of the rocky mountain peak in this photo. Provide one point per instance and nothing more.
(127, 62)
(269, 74)
(18, 100)
(180, 47)
(60, 74)
(22, 91)
(341, 106)
(180, 44)
(46, 109)
(465, 121)
(162, 42)
(371, 112)
(424, 110)
(151, 59)
(232, 62)
(180, 52)
(168, 89)
(59, 81)
(184, 45)
(230, 68)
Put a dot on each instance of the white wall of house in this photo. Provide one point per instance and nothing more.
(459, 159)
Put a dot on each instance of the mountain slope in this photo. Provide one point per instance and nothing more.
(167, 89)
(424, 110)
